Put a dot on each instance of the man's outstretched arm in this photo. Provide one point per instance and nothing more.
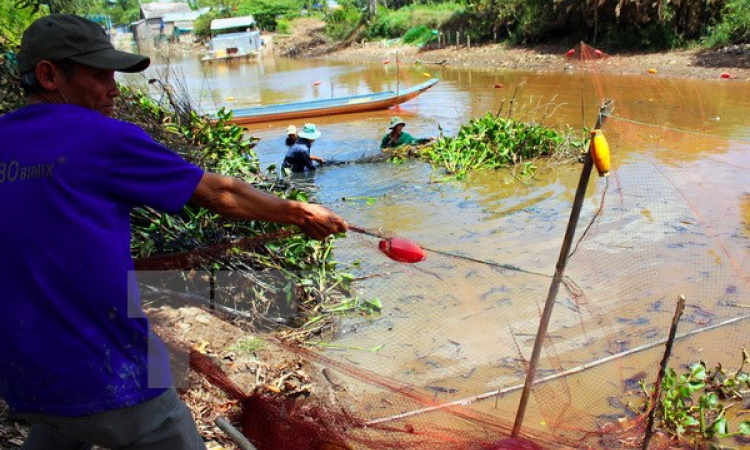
(234, 198)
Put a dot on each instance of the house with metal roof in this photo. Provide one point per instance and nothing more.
(233, 38)
(152, 25)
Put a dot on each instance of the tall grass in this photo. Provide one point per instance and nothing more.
(391, 24)
(395, 23)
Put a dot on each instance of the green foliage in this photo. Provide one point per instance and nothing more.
(314, 277)
(613, 23)
(419, 35)
(734, 27)
(389, 24)
(14, 20)
(11, 94)
(340, 22)
(80, 7)
(692, 404)
(491, 142)
(283, 26)
(267, 12)
(202, 25)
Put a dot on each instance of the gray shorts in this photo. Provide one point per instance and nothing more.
(162, 423)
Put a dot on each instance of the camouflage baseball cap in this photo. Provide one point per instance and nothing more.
(65, 36)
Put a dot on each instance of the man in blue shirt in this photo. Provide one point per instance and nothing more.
(77, 356)
(298, 157)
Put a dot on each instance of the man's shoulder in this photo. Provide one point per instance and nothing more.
(70, 117)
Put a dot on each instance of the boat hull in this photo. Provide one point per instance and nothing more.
(316, 108)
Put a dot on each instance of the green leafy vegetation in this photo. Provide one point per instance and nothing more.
(493, 142)
(267, 13)
(309, 273)
(340, 22)
(283, 26)
(693, 405)
(734, 27)
(390, 23)
(419, 35)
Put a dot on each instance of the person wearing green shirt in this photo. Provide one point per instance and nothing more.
(398, 137)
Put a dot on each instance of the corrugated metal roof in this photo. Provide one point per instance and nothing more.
(232, 22)
(157, 10)
(181, 17)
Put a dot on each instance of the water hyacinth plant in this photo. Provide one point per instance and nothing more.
(492, 142)
(694, 404)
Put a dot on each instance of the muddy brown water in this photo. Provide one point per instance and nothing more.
(493, 217)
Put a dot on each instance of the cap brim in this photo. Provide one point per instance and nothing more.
(111, 59)
(394, 126)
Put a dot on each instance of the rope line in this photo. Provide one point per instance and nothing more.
(678, 130)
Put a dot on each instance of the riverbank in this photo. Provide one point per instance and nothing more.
(308, 41)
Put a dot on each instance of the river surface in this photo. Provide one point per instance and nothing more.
(414, 205)
(676, 218)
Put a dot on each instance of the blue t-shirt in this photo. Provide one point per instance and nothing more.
(298, 157)
(73, 337)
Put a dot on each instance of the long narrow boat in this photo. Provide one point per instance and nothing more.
(343, 105)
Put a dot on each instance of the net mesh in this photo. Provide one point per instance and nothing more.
(449, 353)
(442, 366)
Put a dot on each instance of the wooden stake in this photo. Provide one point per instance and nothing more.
(554, 287)
(662, 370)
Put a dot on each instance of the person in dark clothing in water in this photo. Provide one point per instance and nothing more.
(291, 135)
(298, 157)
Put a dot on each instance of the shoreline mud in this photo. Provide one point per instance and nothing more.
(309, 41)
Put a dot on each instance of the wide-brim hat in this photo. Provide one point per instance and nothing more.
(396, 121)
(291, 129)
(65, 36)
(310, 131)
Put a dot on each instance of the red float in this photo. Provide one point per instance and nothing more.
(725, 75)
(386, 61)
(317, 83)
(401, 250)
(498, 86)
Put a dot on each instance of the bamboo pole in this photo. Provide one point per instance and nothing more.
(662, 370)
(562, 261)
(234, 434)
(398, 82)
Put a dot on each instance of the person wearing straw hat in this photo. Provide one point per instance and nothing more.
(397, 136)
(291, 135)
(79, 360)
(298, 158)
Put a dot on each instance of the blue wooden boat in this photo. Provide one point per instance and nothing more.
(343, 105)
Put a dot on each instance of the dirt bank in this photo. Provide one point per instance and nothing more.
(308, 41)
